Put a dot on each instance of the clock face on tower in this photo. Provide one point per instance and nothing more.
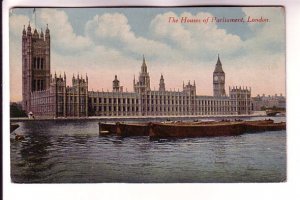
(215, 78)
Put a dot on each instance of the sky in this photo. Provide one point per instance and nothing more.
(104, 42)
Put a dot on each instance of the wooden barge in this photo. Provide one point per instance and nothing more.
(158, 130)
(190, 129)
(126, 130)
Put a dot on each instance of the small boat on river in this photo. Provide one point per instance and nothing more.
(13, 127)
(107, 128)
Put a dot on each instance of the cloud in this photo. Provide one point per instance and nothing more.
(66, 40)
(269, 37)
(113, 31)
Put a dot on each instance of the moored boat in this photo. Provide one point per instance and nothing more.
(107, 128)
(13, 127)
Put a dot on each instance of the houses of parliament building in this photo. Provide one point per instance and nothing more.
(47, 95)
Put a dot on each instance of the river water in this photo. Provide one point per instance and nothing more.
(73, 152)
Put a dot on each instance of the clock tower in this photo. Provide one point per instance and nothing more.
(219, 80)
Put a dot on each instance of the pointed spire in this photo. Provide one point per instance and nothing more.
(144, 66)
(35, 33)
(42, 34)
(24, 31)
(219, 62)
(29, 29)
(47, 32)
(218, 67)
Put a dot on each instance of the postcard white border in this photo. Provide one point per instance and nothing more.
(288, 190)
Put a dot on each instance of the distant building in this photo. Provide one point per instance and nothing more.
(269, 101)
(48, 96)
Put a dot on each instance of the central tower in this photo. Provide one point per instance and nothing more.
(219, 80)
(143, 83)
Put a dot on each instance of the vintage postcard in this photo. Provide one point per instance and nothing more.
(147, 95)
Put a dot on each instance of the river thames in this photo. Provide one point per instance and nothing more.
(73, 152)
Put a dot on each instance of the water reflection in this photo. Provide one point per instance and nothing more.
(34, 153)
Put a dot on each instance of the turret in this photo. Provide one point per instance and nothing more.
(116, 84)
(47, 32)
(24, 31)
(47, 35)
(162, 84)
(42, 34)
(29, 30)
(35, 34)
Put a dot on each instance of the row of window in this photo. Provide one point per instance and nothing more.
(168, 102)
(234, 96)
(42, 100)
(115, 100)
(157, 109)
(71, 110)
(38, 85)
(44, 109)
(38, 63)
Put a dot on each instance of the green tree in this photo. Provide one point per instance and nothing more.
(16, 111)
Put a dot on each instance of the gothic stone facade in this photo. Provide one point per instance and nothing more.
(146, 102)
(48, 96)
(44, 95)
